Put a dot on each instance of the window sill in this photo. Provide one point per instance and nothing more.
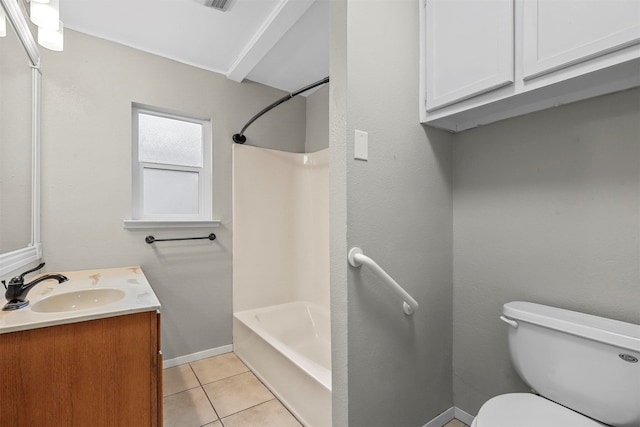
(137, 224)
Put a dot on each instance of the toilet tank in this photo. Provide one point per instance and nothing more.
(586, 363)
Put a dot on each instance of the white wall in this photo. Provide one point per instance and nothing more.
(546, 209)
(312, 221)
(281, 224)
(86, 174)
(281, 218)
(388, 369)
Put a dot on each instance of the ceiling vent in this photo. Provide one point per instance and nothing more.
(220, 5)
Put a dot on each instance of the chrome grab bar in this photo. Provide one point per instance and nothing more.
(357, 258)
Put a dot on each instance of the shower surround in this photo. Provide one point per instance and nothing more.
(281, 267)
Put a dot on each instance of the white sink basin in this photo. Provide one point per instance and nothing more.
(78, 300)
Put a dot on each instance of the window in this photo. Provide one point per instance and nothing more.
(171, 168)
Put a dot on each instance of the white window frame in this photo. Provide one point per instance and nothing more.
(205, 173)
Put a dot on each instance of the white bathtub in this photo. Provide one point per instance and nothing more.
(288, 346)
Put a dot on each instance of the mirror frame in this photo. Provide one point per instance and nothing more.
(13, 260)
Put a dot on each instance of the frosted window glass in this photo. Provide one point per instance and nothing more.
(170, 192)
(169, 141)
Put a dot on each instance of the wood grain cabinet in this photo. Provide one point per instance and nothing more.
(104, 372)
(484, 61)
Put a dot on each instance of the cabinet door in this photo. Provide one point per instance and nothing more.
(560, 33)
(96, 373)
(469, 49)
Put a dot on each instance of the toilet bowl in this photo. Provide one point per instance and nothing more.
(528, 410)
(584, 369)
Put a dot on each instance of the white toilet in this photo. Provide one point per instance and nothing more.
(584, 370)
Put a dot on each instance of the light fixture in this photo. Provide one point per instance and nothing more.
(3, 23)
(45, 15)
(52, 39)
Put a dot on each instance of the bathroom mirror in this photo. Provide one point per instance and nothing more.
(19, 142)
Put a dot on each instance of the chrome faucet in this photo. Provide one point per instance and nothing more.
(17, 290)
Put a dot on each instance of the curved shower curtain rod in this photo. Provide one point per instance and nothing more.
(239, 138)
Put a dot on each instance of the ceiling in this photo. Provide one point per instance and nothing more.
(279, 43)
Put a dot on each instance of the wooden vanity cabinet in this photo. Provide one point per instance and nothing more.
(104, 372)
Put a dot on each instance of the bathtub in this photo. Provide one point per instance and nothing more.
(288, 346)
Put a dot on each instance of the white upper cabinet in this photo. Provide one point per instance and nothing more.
(488, 60)
(559, 33)
(469, 48)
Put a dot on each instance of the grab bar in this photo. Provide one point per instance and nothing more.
(151, 239)
(357, 258)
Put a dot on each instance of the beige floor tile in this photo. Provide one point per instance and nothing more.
(218, 367)
(177, 379)
(268, 414)
(189, 408)
(455, 423)
(214, 424)
(236, 393)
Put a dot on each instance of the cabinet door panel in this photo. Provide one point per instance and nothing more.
(94, 373)
(469, 49)
(560, 33)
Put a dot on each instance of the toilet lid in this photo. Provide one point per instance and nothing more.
(528, 410)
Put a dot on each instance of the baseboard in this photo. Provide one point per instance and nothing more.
(181, 360)
(441, 419)
(449, 415)
(463, 416)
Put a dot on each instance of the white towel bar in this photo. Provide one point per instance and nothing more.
(357, 258)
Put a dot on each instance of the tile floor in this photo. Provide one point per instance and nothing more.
(222, 392)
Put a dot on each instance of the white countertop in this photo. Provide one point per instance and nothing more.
(139, 297)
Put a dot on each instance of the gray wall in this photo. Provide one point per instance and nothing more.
(86, 175)
(546, 209)
(389, 369)
(15, 144)
(317, 120)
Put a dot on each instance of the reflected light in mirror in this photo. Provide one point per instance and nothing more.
(51, 39)
(45, 15)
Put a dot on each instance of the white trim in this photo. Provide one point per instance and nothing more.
(463, 416)
(284, 16)
(36, 83)
(134, 224)
(441, 419)
(448, 415)
(12, 261)
(181, 360)
(21, 27)
(422, 97)
(205, 172)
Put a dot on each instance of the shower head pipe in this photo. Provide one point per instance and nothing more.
(239, 138)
